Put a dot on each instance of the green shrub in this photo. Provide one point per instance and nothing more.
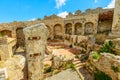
(95, 55)
(115, 68)
(38, 18)
(47, 70)
(107, 48)
(99, 75)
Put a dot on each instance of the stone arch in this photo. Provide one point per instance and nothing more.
(49, 31)
(57, 31)
(89, 28)
(78, 29)
(20, 37)
(6, 32)
(68, 28)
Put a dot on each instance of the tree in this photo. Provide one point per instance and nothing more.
(78, 12)
(38, 18)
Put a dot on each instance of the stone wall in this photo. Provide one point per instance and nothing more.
(104, 26)
(79, 42)
(14, 68)
(115, 35)
(108, 63)
(116, 18)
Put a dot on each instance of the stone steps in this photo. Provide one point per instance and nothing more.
(78, 64)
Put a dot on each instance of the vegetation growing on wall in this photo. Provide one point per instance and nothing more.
(73, 66)
(115, 68)
(95, 55)
(0, 34)
(107, 48)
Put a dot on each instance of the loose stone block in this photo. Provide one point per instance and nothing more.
(35, 43)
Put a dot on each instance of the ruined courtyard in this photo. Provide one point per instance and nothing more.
(82, 46)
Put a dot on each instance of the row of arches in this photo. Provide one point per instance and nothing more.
(78, 28)
(56, 31)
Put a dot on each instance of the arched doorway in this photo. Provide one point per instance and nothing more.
(20, 37)
(6, 32)
(57, 31)
(89, 28)
(78, 29)
(68, 28)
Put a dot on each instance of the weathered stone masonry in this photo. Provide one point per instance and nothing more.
(35, 43)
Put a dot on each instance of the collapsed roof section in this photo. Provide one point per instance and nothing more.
(108, 15)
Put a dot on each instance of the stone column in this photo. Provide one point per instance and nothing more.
(52, 34)
(95, 27)
(116, 18)
(83, 28)
(73, 29)
(35, 43)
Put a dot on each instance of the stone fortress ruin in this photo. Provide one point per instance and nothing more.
(47, 49)
(91, 22)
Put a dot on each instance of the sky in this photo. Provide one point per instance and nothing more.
(27, 10)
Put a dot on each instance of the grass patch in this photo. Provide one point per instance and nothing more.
(73, 66)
